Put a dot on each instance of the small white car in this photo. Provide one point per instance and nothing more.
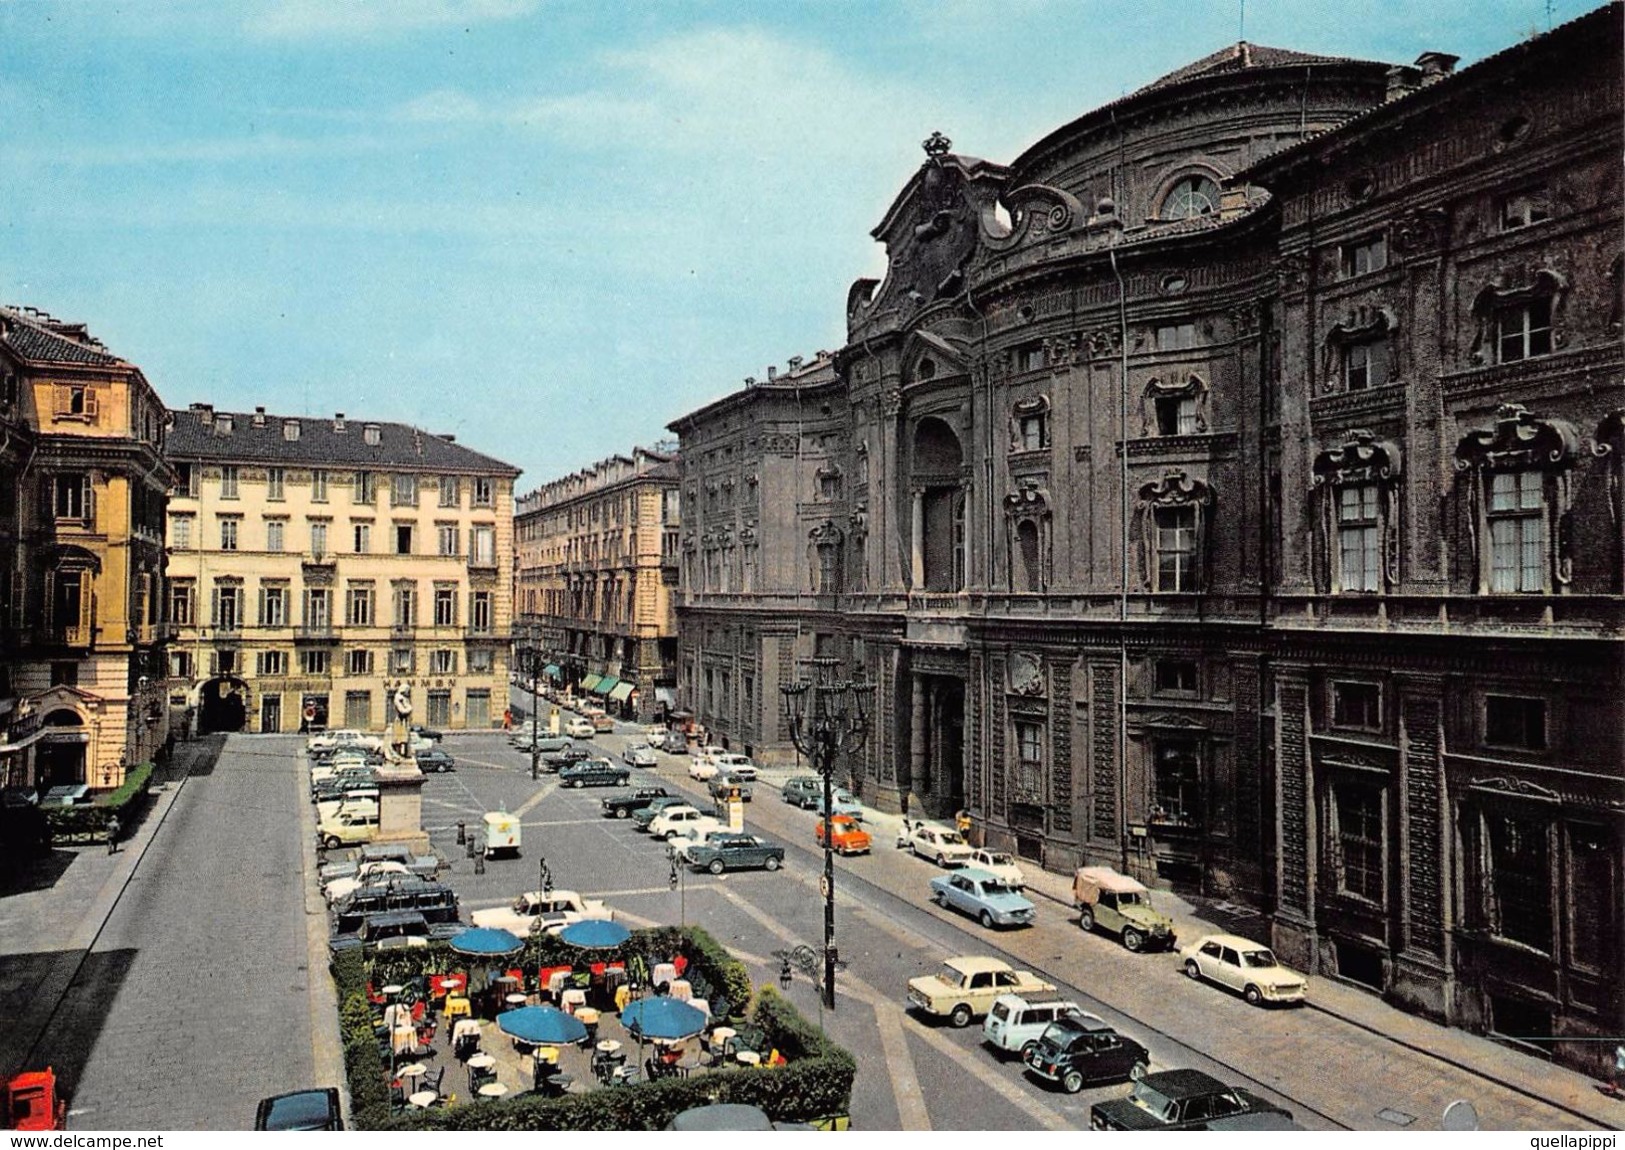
(682, 820)
(708, 752)
(580, 729)
(368, 872)
(702, 769)
(1244, 966)
(556, 909)
(1013, 1023)
(735, 764)
(655, 733)
(639, 755)
(939, 844)
(998, 864)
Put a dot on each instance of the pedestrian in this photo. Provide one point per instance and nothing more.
(112, 834)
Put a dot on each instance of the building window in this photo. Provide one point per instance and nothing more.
(274, 484)
(180, 603)
(443, 662)
(358, 611)
(1530, 206)
(1359, 538)
(290, 430)
(228, 532)
(273, 606)
(180, 664)
(180, 532)
(228, 608)
(1519, 890)
(406, 605)
(71, 497)
(313, 662)
(364, 489)
(318, 539)
(358, 662)
(829, 485)
(1365, 365)
(318, 608)
(483, 552)
(187, 481)
(1523, 330)
(65, 674)
(1177, 797)
(485, 492)
(1517, 523)
(318, 486)
(480, 661)
(1030, 357)
(445, 606)
(439, 708)
(361, 537)
(1359, 836)
(275, 530)
(1361, 256)
(224, 662)
(228, 481)
(1176, 677)
(358, 709)
(451, 492)
(479, 619)
(1594, 889)
(478, 708)
(400, 661)
(1357, 705)
(77, 402)
(1192, 196)
(1176, 337)
(1176, 548)
(403, 538)
(403, 491)
(1177, 415)
(447, 539)
(271, 664)
(1032, 431)
(1510, 721)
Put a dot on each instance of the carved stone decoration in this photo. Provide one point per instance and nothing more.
(1026, 675)
(1424, 230)
(1420, 716)
(1103, 751)
(1192, 387)
(1292, 272)
(1061, 351)
(1295, 785)
(1037, 405)
(1028, 536)
(1175, 489)
(1103, 343)
(1512, 289)
(779, 443)
(1511, 785)
(1036, 211)
(891, 403)
(1521, 441)
(1362, 325)
(1061, 748)
(1360, 459)
(858, 520)
(826, 533)
(1610, 445)
(747, 534)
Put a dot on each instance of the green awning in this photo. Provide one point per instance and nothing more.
(605, 685)
(590, 682)
(622, 691)
(551, 670)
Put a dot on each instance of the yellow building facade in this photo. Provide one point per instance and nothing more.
(316, 566)
(82, 491)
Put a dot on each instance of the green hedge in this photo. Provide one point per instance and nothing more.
(90, 821)
(363, 1065)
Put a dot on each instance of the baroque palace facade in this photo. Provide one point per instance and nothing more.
(82, 487)
(318, 565)
(595, 560)
(1229, 490)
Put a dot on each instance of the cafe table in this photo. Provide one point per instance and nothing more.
(423, 1099)
(493, 1090)
(515, 1000)
(481, 1062)
(748, 1058)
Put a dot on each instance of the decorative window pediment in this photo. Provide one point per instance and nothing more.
(826, 534)
(1361, 458)
(1029, 424)
(1519, 495)
(1174, 406)
(1028, 535)
(1356, 488)
(1519, 439)
(1358, 351)
(1172, 521)
(1517, 315)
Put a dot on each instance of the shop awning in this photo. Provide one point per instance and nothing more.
(551, 670)
(622, 691)
(590, 682)
(605, 685)
(666, 695)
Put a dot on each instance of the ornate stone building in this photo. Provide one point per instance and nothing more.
(1238, 479)
(597, 554)
(82, 489)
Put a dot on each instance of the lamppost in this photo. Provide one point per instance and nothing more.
(828, 717)
(535, 716)
(805, 959)
(679, 883)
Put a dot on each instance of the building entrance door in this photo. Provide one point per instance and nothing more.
(271, 715)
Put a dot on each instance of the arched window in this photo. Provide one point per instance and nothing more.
(938, 508)
(1192, 196)
(1027, 537)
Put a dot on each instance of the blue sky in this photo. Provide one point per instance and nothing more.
(546, 226)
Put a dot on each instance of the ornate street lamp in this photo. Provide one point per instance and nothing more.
(827, 718)
(535, 715)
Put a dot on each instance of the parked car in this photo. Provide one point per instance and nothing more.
(728, 851)
(702, 769)
(424, 866)
(846, 836)
(655, 734)
(1000, 864)
(391, 930)
(985, 897)
(641, 819)
(594, 773)
(681, 818)
(740, 765)
(558, 760)
(675, 743)
(332, 740)
(580, 729)
(639, 755)
(965, 988)
(725, 782)
(1013, 1023)
(423, 732)
(1244, 966)
(939, 844)
(555, 909)
(340, 888)
(316, 1109)
(802, 791)
(435, 901)
(603, 724)
(1083, 1048)
(841, 802)
(348, 828)
(1116, 903)
(624, 806)
(435, 761)
(1177, 1100)
(360, 797)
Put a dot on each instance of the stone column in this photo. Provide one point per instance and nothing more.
(1295, 831)
(916, 542)
(1422, 970)
(919, 780)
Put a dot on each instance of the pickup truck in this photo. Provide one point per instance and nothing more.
(555, 909)
(964, 988)
(622, 806)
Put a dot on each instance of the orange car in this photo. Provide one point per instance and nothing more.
(846, 836)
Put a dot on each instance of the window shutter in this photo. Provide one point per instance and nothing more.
(87, 605)
(92, 404)
(89, 503)
(214, 608)
(62, 399)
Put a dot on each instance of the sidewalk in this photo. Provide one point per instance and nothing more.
(51, 919)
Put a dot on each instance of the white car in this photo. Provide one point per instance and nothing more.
(639, 755)
(366, 873)
(1245, 966)
(998, 864)
(707, 752)
(343, 737)
(702, 769)
(939, 844)
(580, 729)
(655, 733)
(736, 765)
(555, 909)
(682, 820)
(1014, 1023)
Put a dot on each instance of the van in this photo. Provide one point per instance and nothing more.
(1014, 1023)
(502, 833)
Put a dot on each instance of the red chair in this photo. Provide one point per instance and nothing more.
(374, 997)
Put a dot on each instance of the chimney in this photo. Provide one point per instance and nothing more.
(795, 363)
(205, 413)
(1402, 81)
(1435, 66)
(338, 423)
(417, 440)
(772, 373)
(259, 417)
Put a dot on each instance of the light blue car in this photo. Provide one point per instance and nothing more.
(984, 896)
(842, 803)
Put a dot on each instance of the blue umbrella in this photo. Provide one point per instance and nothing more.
(595, 934)
(541, 1024)
(663, 1018)
(483, 941)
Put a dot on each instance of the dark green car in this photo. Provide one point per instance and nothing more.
(720, 852)
(594, 773)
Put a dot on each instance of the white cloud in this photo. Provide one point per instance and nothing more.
(442, 106)
(300, 19)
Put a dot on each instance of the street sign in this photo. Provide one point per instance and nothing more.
(310, 711)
